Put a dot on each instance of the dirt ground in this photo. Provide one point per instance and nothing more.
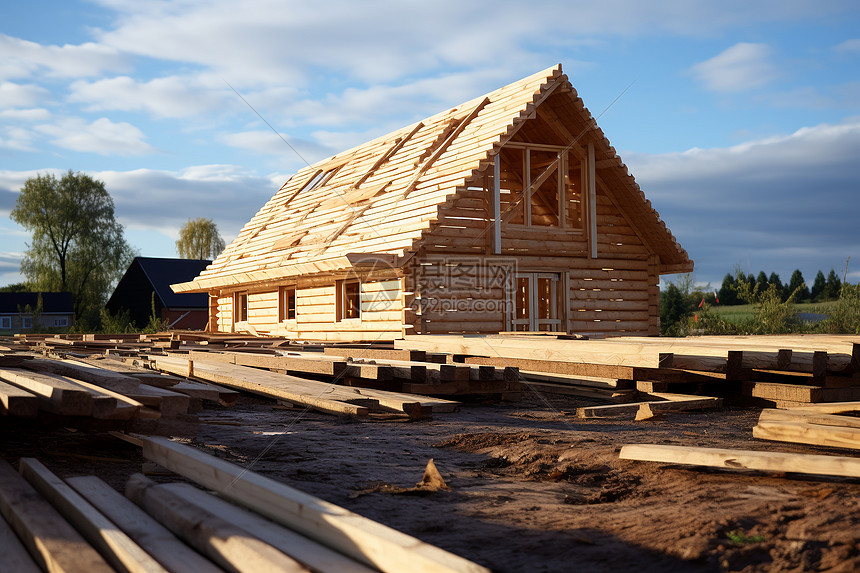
(533, 488)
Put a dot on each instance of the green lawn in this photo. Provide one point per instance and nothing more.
(742, 312)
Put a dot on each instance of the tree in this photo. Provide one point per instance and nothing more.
(761, 281)
(77, 244)
(199, 239)
(818, 286)
(833, 286)
(672, 308)
(774, 280)
(728, 290)
(796, 282)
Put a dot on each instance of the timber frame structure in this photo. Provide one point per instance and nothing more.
(510, 212)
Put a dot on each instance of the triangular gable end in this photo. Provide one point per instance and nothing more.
(385, 196)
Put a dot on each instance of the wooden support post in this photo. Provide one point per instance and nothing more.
(497, 204)
(592, 204)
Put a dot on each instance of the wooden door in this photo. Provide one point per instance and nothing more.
(537, 302)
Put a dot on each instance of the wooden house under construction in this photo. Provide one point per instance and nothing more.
(510, 212)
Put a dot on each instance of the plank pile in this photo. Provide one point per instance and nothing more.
(817, 424)
(104, 394)
(254, 524)
(776, 371)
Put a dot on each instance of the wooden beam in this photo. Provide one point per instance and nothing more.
(160, 543)
(362, 539)
(592, 202)
(743, 459)
(114, 545)
(52, 542)
(15, 557)
(806, 433)
(688, 403)
(497, 204)
(55, 393)
(303, 549)
(17, 402)
(227, 545)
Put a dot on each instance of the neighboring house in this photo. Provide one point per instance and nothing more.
(20, 312)
(510, 212)
(148, 280)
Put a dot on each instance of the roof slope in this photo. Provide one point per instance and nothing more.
(159, 273)
(52, 302)
(380, 196)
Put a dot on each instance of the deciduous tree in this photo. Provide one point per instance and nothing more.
(77, 245)
(199, 239)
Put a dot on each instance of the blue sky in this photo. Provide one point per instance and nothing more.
(741, 121)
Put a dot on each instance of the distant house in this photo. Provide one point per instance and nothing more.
(147, 281)
(510, 212)
(19, 311)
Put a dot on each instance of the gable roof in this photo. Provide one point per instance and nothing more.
(378, 198)
(160, 273)
(52, 302)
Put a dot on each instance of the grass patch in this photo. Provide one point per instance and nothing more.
(739, 538)
(740, 313)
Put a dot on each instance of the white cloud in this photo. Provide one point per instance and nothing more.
(16, 138)
(173, 97)
(851, 46)
(28, 115)
(742, 67)
(101, 136)
(21, 59)
(14, 95)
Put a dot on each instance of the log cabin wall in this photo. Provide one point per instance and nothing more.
(381, 316)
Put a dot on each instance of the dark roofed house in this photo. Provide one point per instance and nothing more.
(148, 281)
(17, 310)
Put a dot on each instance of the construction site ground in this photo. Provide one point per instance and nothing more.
(532, 487)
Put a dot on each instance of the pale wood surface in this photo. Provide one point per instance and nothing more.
(807, 433)
(365, 540)
(160, 543)
(56, 394)
(226, 544)
(15, 557)
(302, 549)
(743, 459)
(17, 401)
(114, 545)
(53, 543)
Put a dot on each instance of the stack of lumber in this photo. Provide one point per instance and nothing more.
(322, 396)
(781, 371)
(254, 524)
(104, 394)
(817, 424)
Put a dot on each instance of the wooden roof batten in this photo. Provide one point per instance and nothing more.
(381, 197)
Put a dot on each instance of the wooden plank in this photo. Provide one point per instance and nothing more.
(55, 393)
(304, 550)
(318, 395)
(15, 557)
(108, 405)
(153, 537)
(805, 433)
(52, 542)
(82, 371)
(17, 402)
(692, 403)
(832, 407)
(226, 544)
(362, 539)
(115, 546)
(168, 402)
(775, 391)
(743, 459)
(210, 392)
(801, 415)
